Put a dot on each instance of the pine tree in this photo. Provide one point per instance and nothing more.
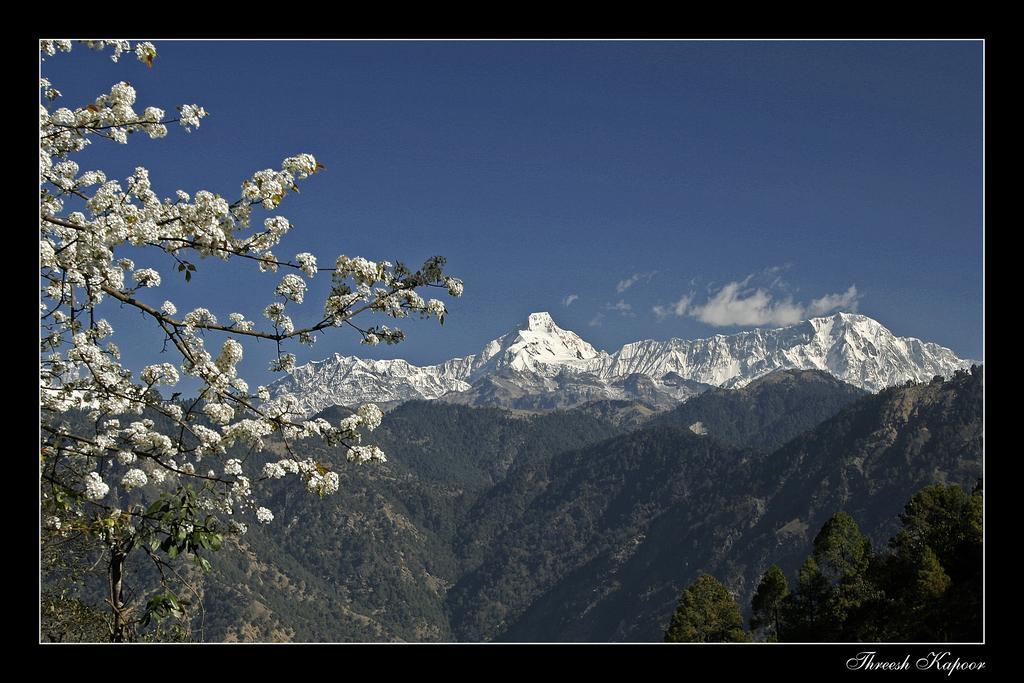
(707, 613)
(767, 603)
(833, 588)
(932, 580)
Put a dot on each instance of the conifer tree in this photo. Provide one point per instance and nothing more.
(707, 613)
(767, 603)
(833, 585)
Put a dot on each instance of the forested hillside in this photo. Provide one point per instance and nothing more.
(564, 526)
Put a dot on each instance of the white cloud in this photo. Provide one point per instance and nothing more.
(830, 302)
(734, 304)
(567, 301)
(622, 307)
(731, 306)
(678, 308)
(632, 280)
(596, 320)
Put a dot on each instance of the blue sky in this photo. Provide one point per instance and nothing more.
(674, 188)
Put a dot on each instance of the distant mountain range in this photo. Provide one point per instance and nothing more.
(540, 366)
(564, 526)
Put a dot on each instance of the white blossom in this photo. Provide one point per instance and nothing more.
(102, 329)
(292, 287)
(239, 322)
(189, 116)
(454, 286)
(248, 431)
(283, 363)
(366, 453)
(371, 416)
(301, 165)
(435, 307)
(145, 52)
(360, 269)
(241, 487)
(122, 93)
(200, 316)
(273, 470)
(220, 413)
(162, 373)
(134, 478)
(90, 224)
(307, 262)
(147, 277)
(230, 354)
(94, 486)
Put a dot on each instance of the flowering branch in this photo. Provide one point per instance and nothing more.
(104, 450)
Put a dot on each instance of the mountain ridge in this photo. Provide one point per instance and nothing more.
(539, 365)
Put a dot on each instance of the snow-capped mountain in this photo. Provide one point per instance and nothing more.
(540, 365)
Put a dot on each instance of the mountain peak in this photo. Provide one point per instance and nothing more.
(856, 318)
(540, 321)
(842, 317)
(541, 342)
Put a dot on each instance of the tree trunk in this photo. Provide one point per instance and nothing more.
(119, 629)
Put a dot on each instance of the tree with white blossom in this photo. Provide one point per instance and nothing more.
(120, 465)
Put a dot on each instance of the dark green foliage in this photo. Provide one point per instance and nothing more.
(832, 585)
(766, 605)
(769, 411)
(707, 613)
(927, 588)
(65, 618)
(932, 578)
(947, 521)
(841, 550)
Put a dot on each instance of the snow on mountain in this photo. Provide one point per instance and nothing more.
(351, 381)
(540, 365)
(854, 348)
